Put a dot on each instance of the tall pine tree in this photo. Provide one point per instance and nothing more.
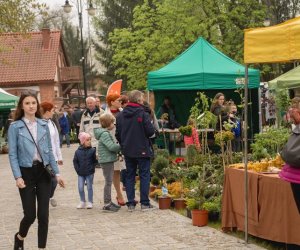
(114, 14)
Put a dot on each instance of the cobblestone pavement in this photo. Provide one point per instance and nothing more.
(72, 229)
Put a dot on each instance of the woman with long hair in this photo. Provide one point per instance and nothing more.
(29, 151)
(218, 109)
(47, 111)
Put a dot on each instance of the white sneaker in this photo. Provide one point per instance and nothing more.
(53, 202)
(89, 205)
(81, 205)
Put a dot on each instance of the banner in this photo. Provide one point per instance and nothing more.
(115, 88)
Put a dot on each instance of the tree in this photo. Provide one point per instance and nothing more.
(161, 30)
(115, 14)
(19, 15)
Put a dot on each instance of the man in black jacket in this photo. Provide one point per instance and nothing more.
(133, 130)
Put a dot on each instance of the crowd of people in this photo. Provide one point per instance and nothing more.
(117, 139)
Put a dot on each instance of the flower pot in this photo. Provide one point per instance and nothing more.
(164, 202)
(179, 204)
(199, 217)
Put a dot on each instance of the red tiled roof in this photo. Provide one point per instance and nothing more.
(23, 59)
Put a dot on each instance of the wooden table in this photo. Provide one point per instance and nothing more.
(273, 213)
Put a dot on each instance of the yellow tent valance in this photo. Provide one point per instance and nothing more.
(278, 43)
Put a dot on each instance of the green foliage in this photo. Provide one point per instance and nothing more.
(115, 14)
(191, 154)
(214, 205)
(282, 100)
(159, 165)
(19, 15)
(223, 137)
(155, 180)
(192, 203)
(269, 143)
(185, 130)
(201, 114)
(151, 42)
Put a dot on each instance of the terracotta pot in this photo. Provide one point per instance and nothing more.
(199, 217)
(179, 204)
(164, 202)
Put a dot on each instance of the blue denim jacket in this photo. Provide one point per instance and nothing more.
(22, 147)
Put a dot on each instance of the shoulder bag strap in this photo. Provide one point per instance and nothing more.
(33, 141)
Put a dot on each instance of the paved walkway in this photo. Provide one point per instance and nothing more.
(92, 229)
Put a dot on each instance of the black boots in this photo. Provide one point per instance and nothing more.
(19, 244)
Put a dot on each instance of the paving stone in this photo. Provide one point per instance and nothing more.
(75, 229)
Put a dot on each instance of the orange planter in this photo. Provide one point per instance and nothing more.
(199, 217)
(164, 202)
(179, 204)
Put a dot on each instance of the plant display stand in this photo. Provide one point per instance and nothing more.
(179, 204)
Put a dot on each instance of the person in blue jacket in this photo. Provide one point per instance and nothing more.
(133, 131)
(27, 163)
(64, 129)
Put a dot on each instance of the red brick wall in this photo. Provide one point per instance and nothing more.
(47, 92)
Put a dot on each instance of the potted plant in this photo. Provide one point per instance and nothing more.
(164, 201)
(213, 207)
(185, 130)
(155, 181)
(197, 195)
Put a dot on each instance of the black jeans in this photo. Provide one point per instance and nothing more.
(38, 186)
(53, 186)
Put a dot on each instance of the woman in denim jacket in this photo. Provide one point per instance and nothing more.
(33, 181)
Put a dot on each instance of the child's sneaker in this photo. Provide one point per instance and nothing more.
(110, 208)
(89, 205)
(81, 205)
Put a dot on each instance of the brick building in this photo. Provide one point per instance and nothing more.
(37, 61)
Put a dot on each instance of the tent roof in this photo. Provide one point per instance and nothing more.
(7, 100)
(288, 80)
(201, 66)
(278, 43)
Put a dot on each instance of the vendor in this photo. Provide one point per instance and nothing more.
(167, 112)
(218, 109)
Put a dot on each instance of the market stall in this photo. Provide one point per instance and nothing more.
(201, 67)
(272, 211)
(7, 102)
(273, 44)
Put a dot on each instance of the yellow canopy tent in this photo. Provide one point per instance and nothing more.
(278, 43)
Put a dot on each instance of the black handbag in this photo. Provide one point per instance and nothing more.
(291, 151)
(48, 167)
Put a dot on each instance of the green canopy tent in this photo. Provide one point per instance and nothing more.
(7, 100)
(288, 80)
(201, 67)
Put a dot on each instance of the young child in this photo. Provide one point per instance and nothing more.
(194, 138)
(84, 163)
(107, 151)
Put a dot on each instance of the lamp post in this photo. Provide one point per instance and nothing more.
(91, 11)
